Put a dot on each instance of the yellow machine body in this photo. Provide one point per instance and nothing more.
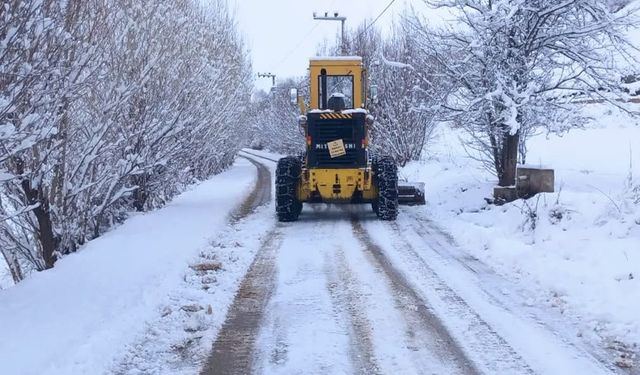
(337, 166)
(337, 185)
(338, 66)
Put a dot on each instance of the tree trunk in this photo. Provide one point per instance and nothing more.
(509, 157)
(140, 195)
(14, 266)
(48, 240)
(59, 170)
(44, 233)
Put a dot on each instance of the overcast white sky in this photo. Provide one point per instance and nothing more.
(274, 28)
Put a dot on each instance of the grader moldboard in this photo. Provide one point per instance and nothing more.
(337, 166)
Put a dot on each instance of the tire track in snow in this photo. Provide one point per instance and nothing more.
(426, 330)
(486, 346)
(259, 196)
(358, 324)
(259, 156)
(474, 339)
(304, 332)
(342, 288)
(441, 247)
(233, 351)
(175, 343)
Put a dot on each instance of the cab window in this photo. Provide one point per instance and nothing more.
(339, 85)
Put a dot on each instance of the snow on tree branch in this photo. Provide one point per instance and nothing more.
(106, 108)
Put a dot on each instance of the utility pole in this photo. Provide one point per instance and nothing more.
(269, 75)
(336, 17)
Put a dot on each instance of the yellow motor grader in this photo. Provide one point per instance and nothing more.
(337, 166)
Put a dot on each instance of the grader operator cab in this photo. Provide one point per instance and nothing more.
(337, 166)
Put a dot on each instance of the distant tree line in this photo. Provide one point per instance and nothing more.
(106, 107)
(274, 118)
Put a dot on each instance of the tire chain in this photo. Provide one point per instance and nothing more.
(288, 174)
(386, 174)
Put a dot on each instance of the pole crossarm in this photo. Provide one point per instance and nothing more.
(336, 17)
(268, 75)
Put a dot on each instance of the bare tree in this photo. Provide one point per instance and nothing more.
(514, 62)
(406, 108)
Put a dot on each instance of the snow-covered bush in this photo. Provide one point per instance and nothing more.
(274, 119)
(529, 211)
(106, 108)
(632, 187)
(408, 99)
(630, 202)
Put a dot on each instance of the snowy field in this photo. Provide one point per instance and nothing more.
(576, 251)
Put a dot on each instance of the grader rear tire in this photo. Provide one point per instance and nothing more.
(386, 180)
(288, 171)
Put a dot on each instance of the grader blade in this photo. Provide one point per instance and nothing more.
(411, 193)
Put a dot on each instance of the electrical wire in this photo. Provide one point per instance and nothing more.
(288, 54)
(304, 38)
(377, 18)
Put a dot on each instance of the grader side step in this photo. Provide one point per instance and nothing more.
(411, 193)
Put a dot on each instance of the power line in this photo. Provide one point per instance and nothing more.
(288, 54)
(377, 18)
(304, 38)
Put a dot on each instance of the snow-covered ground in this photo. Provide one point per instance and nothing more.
(92, 308)
(576, 251)
(151, 296)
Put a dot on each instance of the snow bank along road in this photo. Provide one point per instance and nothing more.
(79, 317)
(339, 292)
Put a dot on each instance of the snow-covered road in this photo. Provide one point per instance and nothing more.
(315, 302)
(213, 284)
(339, 292)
